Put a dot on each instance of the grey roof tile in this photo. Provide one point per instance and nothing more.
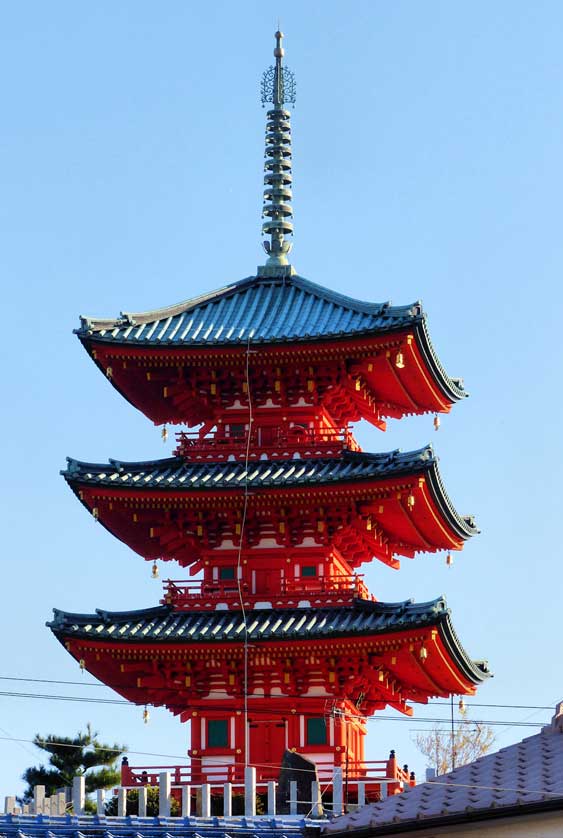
(529, 772)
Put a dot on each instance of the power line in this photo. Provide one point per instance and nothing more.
(215, 761)
(121, 686)
(258, 710)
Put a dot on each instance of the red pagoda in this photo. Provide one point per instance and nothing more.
(274, 642)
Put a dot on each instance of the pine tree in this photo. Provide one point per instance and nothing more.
(71, 757)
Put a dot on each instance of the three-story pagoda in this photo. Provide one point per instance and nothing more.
(271, 506)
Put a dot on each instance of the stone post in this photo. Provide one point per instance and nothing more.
(121, 803)
(272, 797)
(61, 803)
(186, 801)
(384, 790)
(250, 791)
(205, 800)
(337, 791)
(53, 806)
(293, 797)
(362, 793)
(316, 800)
(142, 792)
(38, 799)
(227, 800)
(100, 802)
(164, 788)
(78, 795)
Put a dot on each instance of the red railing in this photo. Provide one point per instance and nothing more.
(372, 773)
(272, 442)
(184, 592)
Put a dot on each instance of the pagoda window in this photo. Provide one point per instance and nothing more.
(316, 731)
(237, 431)
(226, 573)
(218, 733)
(308, 571)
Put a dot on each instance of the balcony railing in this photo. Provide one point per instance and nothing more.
(270, 442)
(371, 774)
(184, 593)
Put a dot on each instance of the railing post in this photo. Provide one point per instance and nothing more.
(164, 786)
(205, 800)
(78, 794)
(272, 797)
(337, 791)
(227, 800)
(121, 803)
(186, 801)
(142, 801)
(316, 801)
(293, 797)
(100, 802)
(250, 791)
(362, 794)
(38, 798)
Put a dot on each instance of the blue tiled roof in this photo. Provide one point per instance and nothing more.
(176, 474)
(94, 826)
(164, 625)
(262, 309)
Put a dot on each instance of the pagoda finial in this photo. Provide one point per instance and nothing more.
(278, 87)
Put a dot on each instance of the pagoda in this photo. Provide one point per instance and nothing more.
(274, 642)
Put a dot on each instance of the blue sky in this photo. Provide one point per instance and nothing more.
(427, 165)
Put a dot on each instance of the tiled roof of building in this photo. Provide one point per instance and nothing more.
(265, 310)
(164, 625)
(517, 778)
(94, 826)
(176, 474)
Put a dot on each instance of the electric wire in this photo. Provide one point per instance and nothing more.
(267, 711)
(109, 685)
(435, 782)
(239, 557)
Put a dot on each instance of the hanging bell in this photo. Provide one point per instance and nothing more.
(146, 716)
(82, 664)
(109, 372)
(164, 433)
(449, 560)
(410, 501)
(154, 571)
(400, 360)
(462, 707)
(423, 654)
(436, 422)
